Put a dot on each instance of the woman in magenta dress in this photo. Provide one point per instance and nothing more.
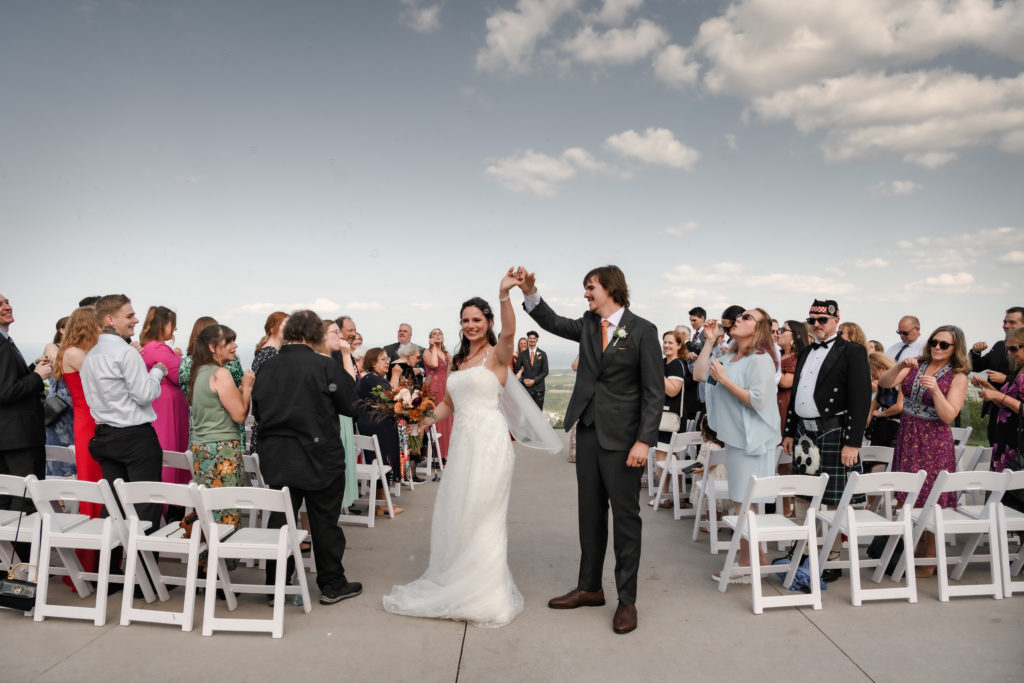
(436, 360)
(171, 406)
(934, 387)
(80, 334)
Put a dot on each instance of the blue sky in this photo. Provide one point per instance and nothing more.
(390, 159)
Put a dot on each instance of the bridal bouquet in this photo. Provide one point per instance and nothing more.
(406, 406)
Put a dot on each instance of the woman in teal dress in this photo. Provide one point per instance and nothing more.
(334, 342)
(740, 393)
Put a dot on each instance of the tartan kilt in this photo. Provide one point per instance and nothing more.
(830, 448)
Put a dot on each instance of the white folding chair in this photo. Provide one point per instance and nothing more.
(369, 475)
(860, 524)
(948, 521)
(170, 540)
(102, 534)
(433, 460)
(1008, 520)
(178, 460)
(267, 544)
(681, 454)
(710, 490)
(65, 454)
(775, 527)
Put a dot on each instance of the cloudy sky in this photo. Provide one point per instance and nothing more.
(390, 159)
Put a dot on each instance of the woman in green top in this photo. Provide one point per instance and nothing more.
(218, 407)
(234, 366)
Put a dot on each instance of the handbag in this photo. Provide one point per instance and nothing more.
(670, 422)
(53, 407)
(16, 593)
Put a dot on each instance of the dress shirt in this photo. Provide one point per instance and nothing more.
(916, 348)
(805, 406)
(4, 333)
(116, 385)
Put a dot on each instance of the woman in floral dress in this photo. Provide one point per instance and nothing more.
(934, 387)
(1009, 399)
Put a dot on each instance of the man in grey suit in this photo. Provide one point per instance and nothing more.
(618, 396)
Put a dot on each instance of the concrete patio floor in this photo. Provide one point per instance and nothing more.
(688, 630)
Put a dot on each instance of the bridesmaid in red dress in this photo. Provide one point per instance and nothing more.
(80, 334)
(171, 406)
(436, 360)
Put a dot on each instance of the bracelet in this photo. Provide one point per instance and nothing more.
(501, 301)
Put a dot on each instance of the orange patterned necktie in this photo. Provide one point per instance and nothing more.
(604, 334)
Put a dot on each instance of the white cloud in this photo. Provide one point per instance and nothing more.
(530, 171)
(893, 188)
(421, 19)
(1012, 258)
(714, 273)
(736, 276)
(654, 146)
(617, 45)
(512, 35)
(614, 12)
(877, 262)
(922, 115)
(678, 230)
(801, 284)
(585, 161)
(320, 305)
(962, 251)
(730, 142)
(758, 46)
(942, 282)
(688, 293)
(674, 66)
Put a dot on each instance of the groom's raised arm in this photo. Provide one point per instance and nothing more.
(567, 328)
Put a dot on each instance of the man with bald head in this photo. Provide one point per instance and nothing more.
(911, 343)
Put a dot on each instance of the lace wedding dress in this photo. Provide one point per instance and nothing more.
(468, 577)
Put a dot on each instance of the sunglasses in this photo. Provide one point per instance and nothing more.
(747, 316)
(821, 320)
(1013, 349)
(902, 333)
(783, 330)
(935, 343)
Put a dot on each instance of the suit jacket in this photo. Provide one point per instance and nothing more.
(21, 408)
(392, 351)
(537, 370)
(624, 385)
(296, 401)
(996, 359)
(844, 384)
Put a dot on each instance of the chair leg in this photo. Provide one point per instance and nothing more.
(210, 599)
(730, 557)
(815, 570)
(854, 552)
(130, 567)
(755, 571)
(42, 576)
(941, 568)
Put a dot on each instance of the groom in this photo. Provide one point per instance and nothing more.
(617, 399)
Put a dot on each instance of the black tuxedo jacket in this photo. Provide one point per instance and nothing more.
(625, 383)
(537, 370)
(996, 359)
(844, 384)
(21, 408)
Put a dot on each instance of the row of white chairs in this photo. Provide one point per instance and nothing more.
(50, 528)
(989, 519)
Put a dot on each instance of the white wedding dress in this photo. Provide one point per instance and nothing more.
(468, 578)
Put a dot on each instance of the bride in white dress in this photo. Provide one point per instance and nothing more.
(468, 577)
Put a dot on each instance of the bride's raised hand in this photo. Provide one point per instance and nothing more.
(508, 282)
(528, 281)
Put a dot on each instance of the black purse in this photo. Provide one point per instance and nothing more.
(53, 407)
(16, 593)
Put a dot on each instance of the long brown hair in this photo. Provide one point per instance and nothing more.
(959, 361)
(199, 324)
(463, 351)
(211, 335)
(1015, 337)
(270, 328)
(81, 331)
(762, 340)
(61, 324)
(156, 320)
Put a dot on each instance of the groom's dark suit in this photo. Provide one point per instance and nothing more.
(617, 399)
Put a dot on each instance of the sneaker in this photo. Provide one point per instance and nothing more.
(418, 479)
(349, 589)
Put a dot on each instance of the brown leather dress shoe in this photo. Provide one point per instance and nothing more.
(577, 598)
(624, 620)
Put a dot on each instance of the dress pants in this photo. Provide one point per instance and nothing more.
(323, 507)
(602, 477)
(538, 398)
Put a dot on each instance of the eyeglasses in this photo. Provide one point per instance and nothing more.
(935, 343)
(1013, 349)
(747, 316)
(820, 320)
(904, 334)
(783, 330)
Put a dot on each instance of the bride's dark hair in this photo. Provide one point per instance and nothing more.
(463, 351)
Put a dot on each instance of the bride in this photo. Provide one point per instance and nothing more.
(468, 577)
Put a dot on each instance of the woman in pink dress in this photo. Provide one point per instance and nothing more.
(81, 333)
(436, 360)
(171, 407)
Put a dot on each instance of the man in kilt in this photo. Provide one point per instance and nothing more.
(828, 409)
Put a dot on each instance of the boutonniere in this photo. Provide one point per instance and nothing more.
(620, 332)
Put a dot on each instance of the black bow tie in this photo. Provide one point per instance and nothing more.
(824, 344)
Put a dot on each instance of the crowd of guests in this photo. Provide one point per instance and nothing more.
(820, 389)
(123, 402)
(817, 387)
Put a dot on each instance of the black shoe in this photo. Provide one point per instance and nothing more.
(354, 511)
(349, 589)
(418, 479)
(830, 575)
